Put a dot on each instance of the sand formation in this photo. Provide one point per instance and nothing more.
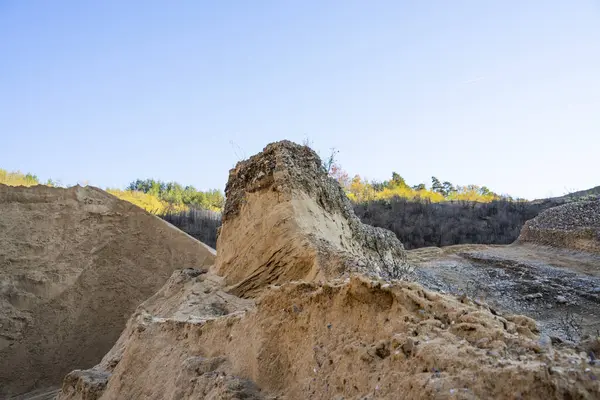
(74, 264)
(278, 316)
(574, 225)
(285, 219)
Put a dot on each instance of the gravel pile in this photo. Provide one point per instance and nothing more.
(571, 216)
(573, 226)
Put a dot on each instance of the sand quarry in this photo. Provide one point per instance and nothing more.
(101, 300)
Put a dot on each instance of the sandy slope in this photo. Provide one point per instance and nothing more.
(74, 264)
(344, 339)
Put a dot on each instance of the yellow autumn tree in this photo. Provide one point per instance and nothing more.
(360, 190)
(148, 202)
(17, 178)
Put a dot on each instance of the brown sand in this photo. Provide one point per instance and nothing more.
(346, 339)
(74, 264)
(285, 219)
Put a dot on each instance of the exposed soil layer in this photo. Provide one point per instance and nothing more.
(350, 339)
(285, 219)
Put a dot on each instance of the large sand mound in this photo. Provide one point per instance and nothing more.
(573, 225)
(74, 264)
(285, 219)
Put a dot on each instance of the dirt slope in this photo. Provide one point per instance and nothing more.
(285, 219)
(350, 339)
(74, 264)
(574, 226)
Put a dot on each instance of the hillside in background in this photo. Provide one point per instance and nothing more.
(588, 194)
(423, 223)
(159, 197)
(445, 214)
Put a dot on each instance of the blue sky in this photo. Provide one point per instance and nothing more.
(498, 93)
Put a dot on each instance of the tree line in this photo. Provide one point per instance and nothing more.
(18, 178)
(154, 196)
(360, 190)
(178, 195)
(439, 215)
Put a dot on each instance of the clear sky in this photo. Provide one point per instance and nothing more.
(498, 93)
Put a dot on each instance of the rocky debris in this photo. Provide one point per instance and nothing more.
(346, 338)
(285, 219)
(533, 296)
(85, 385)
(74, 265)
(573, 225)
(548, 284)
(561, 299)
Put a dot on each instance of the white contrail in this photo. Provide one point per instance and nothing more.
(473, 80)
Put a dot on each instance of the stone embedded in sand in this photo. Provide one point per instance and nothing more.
(74, 264)
(285, 219)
